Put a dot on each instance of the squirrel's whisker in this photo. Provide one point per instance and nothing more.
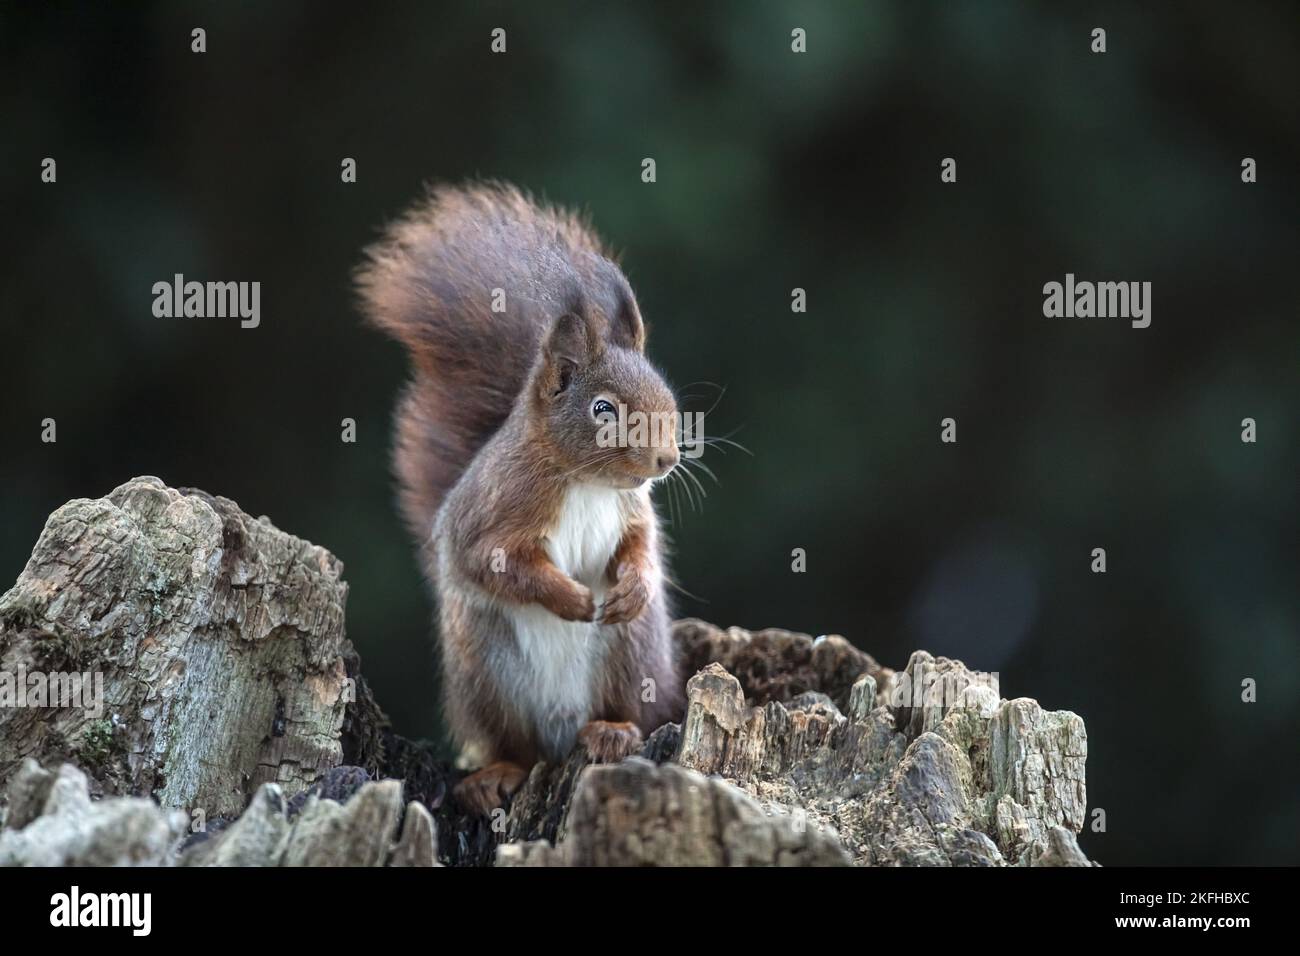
(697, 463)
(722, 391)
(690, 495)
(602, 456)
(674, 507)
(688, 475)
(716, 441)
(720, 388)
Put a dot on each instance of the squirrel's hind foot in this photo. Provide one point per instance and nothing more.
(608, 741)
(485, 790)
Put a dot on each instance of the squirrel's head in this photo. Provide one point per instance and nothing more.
(604, 410)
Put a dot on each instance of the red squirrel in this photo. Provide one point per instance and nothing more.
(542, 545)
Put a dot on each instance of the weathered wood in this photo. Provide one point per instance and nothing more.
(963, 778)
(218, 639)
(779, 665)
(638, 814)
(69, 829)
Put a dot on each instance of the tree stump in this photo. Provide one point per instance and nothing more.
(229, 724)
(213, 643)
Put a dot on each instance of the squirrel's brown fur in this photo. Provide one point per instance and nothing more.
(524, 522)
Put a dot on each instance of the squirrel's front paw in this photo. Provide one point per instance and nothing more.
(578, 604)
(627, 598)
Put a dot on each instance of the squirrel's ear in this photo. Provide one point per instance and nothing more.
(567, 349)
(626, 328)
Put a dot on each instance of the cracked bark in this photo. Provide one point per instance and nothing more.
(218, 638)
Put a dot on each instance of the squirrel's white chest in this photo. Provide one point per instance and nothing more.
(586, 533)
(562, 660)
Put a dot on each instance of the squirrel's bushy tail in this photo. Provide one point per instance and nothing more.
(432, 282)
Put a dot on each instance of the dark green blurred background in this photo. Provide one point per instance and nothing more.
(775, 170)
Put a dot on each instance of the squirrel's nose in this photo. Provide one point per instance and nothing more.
(666, 460)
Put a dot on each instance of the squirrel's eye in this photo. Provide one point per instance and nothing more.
(601, 407)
